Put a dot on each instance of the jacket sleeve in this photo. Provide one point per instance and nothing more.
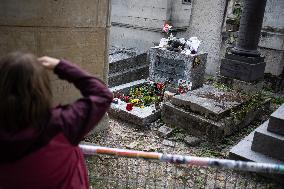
(77, 119)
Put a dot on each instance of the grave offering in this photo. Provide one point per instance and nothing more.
(177, 59)
(137, 102)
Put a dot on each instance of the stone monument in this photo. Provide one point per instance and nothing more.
(244, 62)
(169, 65)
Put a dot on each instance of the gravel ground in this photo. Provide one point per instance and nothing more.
(112, 172)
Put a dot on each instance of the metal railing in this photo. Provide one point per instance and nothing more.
(123, 169)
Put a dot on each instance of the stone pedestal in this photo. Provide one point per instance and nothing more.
(168, 65)
(245, 62)
(242, 68)
(265, 144)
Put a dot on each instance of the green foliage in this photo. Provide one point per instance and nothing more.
(222, 86)
(255, 101)
(277, 100)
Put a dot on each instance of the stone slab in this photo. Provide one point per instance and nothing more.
(138, 116)
(165, 65)
(210, 101)
(241, 70)
(276, 121)
(242, 151)
(127, 76)
(268, 143)
(198, 125)
(122, 61)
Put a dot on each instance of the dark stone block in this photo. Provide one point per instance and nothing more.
(268, 143)
(120, 65)
(242, 70)
(276, 121)
(250, 60)
(128, 76)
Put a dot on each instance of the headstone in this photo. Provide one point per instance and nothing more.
(276, 121)
(168, 65)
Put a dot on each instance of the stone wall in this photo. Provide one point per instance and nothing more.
(272, 37)
(139, 24)
(76, 30)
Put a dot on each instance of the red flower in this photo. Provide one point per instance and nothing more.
(180, 90)
(129, 107)
(160, 86)
(126, 98)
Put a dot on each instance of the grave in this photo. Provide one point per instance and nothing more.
(265, 144)
(210, 112)
(165, 65)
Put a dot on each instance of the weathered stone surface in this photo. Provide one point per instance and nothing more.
(165, 131)
(242, 151)
(198, 125)
(129, 75)
(122, 60)
(268, 143)
(276, 121)
(165, 65)
(192, 141)
(242, 70)
(209, 101)
(127, 65)
(168, 143)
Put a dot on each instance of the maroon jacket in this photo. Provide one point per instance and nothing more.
(49, 158)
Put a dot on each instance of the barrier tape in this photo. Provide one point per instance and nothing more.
(187, 160)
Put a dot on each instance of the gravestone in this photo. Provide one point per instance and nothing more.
(168, 65)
